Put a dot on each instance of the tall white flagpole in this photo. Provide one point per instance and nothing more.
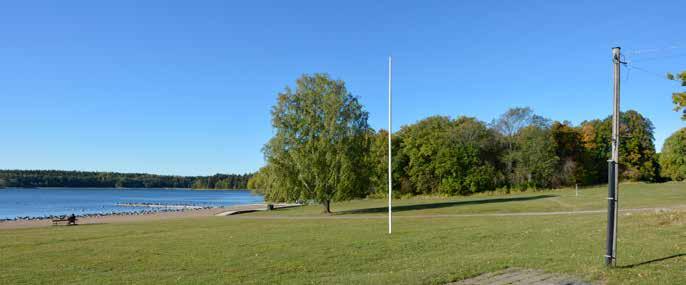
(390, 131)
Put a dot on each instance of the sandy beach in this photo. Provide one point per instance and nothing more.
(123, 218)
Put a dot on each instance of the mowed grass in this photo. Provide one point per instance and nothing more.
(353, 247)
(632, 196)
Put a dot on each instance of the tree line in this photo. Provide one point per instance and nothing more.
(59, 178)
(324, 150)
(517, 151)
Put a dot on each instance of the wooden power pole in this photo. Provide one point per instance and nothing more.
(613, 168)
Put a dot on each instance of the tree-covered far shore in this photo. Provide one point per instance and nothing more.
(81, 179)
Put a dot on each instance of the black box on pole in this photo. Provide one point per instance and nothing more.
(611, 210)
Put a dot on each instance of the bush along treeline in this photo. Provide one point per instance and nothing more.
(673, 156)
(323, 150)
(58, 178)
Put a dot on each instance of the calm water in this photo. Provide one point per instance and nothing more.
(80, 201)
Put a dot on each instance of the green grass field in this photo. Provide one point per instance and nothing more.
(430, 244)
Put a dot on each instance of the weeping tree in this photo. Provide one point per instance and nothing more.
(319, 149)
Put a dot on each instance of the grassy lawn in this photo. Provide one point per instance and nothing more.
(357, 250)
(632, 195)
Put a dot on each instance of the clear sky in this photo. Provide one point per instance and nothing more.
(186, 87)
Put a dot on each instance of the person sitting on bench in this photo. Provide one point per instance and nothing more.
(71, 220)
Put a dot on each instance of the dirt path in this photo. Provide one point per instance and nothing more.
(356, 217)
(231, 212)
(516, 276)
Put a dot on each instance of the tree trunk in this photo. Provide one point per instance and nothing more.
(327, 206)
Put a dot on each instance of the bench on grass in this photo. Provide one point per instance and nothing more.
(70, 221)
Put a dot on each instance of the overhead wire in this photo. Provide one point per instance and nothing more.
(654, 50)
(660, 57)
(629, 63)
(626, 78)
(632, 66)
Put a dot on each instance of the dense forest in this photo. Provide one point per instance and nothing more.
(58, 178)
(324, 150)
(517, 151)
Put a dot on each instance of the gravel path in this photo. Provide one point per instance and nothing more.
(518, 276)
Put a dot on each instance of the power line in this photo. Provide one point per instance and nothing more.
(663, 76)
(660, 57)
(626, 78)
(654, 50)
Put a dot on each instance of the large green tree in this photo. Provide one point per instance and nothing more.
(319, 151)
(569, 148)
(508, 126)
(673, 156)
(378, 159)
(263, 180)
(679, 98)
(595, 136)
(636, 148)
(450, 156)
(534, 158)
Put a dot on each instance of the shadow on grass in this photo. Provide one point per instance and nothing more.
(443, 205)
(653, 261)
(88, 224)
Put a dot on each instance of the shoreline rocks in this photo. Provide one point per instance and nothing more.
(157, 208)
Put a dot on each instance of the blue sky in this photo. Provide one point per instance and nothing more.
(186, 87)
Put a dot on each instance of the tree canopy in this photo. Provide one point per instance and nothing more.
(444, 156)
(449, 156)
(679, 98)
(320, 148)
(323, 150)
(534, 158)
(571, 154)
(673, 156)
(636, 148)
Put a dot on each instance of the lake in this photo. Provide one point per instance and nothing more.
(44, 202)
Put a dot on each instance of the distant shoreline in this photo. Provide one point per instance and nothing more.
(142, 216)
(83, 179)
(133, 188)
(114, 217)
(114, 201)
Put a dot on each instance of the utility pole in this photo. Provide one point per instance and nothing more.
(390, 131)
(613, 169)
